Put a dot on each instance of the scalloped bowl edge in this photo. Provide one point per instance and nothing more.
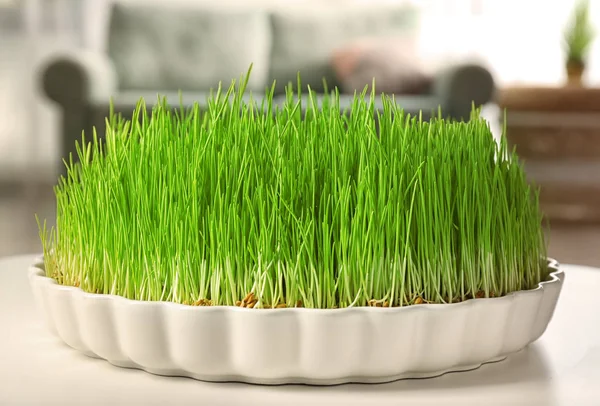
(296, 345)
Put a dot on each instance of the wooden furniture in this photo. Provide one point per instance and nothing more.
(561, 368)
(556, 132)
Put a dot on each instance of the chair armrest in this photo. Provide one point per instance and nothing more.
(460, 86)
(80, 77)
(77, 81)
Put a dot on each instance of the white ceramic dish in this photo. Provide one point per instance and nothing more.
(296, 345)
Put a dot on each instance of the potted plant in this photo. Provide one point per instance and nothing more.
(578, 37)
(295, 244)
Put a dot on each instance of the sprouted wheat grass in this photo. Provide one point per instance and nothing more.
(251, 205)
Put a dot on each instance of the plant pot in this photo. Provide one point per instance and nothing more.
(296, 345)
(575, 73)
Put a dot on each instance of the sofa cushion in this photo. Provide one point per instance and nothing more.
(125, 102)
(188, 47)
(304, 39)
(426, 105)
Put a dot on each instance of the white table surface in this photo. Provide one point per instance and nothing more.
(561, 368)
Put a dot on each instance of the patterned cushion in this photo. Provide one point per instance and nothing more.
(188, 47)
(304, 39)
(394, 65)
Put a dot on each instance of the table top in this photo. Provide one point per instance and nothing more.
(561, 368)
(564, 99)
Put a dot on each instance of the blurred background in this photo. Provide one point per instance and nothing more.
(61, 61)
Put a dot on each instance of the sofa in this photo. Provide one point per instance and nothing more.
(185, 49)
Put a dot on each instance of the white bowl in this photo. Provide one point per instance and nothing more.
(296, 345)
